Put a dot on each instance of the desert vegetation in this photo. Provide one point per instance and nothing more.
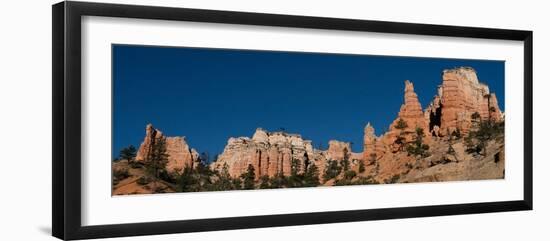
(457, 137)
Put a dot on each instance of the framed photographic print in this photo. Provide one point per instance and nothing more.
(213, 120)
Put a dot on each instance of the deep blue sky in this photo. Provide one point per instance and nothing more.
(209, 95)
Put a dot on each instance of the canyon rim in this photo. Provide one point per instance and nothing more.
(458, 136)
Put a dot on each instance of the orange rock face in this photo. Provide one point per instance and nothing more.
(373, 148)
(271, 153)
(491, 109)
(461, 95)
(412, 115)
(151, 136)
(268, 153)
(458, 97)
(179, 153)
(411, 111)
(338, 150)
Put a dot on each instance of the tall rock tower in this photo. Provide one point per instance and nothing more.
(373, 148)
(411, 113)
(461, 95)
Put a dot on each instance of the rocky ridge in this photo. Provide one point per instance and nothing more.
(450, 113)
(271, 153)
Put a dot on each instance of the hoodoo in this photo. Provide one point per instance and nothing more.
(459, 97)
(438, 144)
(179, 153)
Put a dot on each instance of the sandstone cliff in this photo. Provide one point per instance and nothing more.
(179, 153)
(438, 152)
(271, 153)
(459, 96)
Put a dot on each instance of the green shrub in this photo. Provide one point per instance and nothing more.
(456, 134)
(128, 153)
(143, 180)
(361, 167)
(332, 170)
(342, 182)
(477, 139)
(120, 173)
(237, 183)
(417, 147)
(311, 177)
(296, 179)
(350, 174)
(223, 180)
(278, 181)
(136, 165)
(393, 179)
(368, 180)
(159, 189)
(248, 178)
(264, 182)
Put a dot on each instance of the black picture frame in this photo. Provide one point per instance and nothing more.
(66, 159)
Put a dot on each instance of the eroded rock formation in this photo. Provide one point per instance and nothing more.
(179, 153)
(411, 114)
(271, 153)
(459, 96)
(373, 147)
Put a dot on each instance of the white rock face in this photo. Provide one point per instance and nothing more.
(271, 153)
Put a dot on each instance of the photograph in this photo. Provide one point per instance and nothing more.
(274, 120)
(190, 119)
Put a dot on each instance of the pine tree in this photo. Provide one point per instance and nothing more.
(401, 125)
(128, 153)
(311, 177)
(157, 159)
(248, 178)
(485, 131)
(186, 181)
(224, 179)
(204, 177)
(264, 182)
(417, 147)
(332, 170)
(361, 167)
(344, 163)
(296, 178)
(237, 184)
(278, 181)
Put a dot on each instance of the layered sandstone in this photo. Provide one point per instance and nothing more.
(457, 98)
(180, 155)
(412, 115)
(373, 148)
(338, 150)
(411, 110)
(460, 95)
(271, 153)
